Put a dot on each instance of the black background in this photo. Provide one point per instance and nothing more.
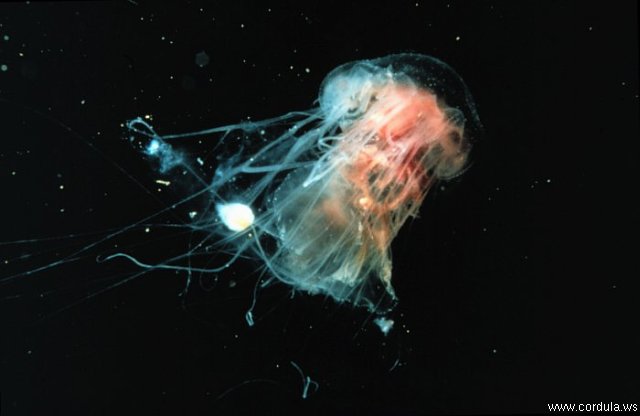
(516, 284)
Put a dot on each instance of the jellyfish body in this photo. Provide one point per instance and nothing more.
(329, 193)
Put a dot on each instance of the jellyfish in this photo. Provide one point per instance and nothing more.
(314, 198)
(319, 202)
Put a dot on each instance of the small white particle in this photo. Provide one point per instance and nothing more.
(457, 38)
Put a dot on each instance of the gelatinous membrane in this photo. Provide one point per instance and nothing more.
(330, 190)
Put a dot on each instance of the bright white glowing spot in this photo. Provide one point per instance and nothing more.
(236, 216)
(384, 324)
